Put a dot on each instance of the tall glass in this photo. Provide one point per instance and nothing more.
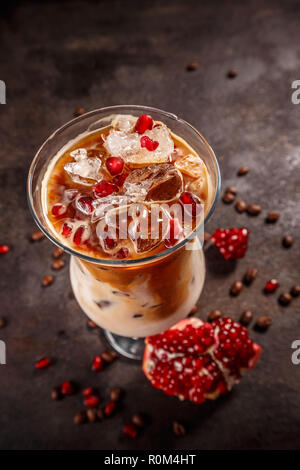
(130, 298)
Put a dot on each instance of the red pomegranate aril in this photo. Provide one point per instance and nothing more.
(43, 363)
(67, 388)
(143, 123)
(110, 243)
(148, 143)
(86, 392)
(130, 430)
(91, 400)
(109, 408)
(105, 188)
(231, 243)
(119, 179)
(66, 230)
(271, 286)
(97, 364)
(58, 210)
(77, 239)
(114, 165)
(173, 235)
(122, 253)
(187, 198)
(84, 203)
(4, 249)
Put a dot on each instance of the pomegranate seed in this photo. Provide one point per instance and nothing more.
(43, 363)
(174, 233)
(109, 408)
(122, 253)
(91, 400)
(58, 210)
(67, 388)
(114, 165)
(271, 286)
(4, 249)
(86, 392)
(130, 430)
(119, 179)
(150, 144)
(77, 239)
(84, 203)
(97, 364)
(187, 198)
(110, 243)
(66, 230)
(104, 188)
(231, 243)
(143, 123)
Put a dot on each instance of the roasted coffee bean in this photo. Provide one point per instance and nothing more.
(178, 429)
(214, 315)
(250, 275)
(37, 235)
(228, 198)
(91, 415)
(287, 241)
(263, 322)
(138, 420)
(240, 206)
(2, 322)
(243, 170)
(58, 264)
(79, 111)
(272, 217)
(56, 393)
(231, 189)
(100, 414)
(253, 209)
(92, 324)
(109, 356)
(285, 298)
(194, 310)
(191, 66)
(232, 73)
(115, 394)
(47, 280)
(80, 417)
(246, 317)
(206, 237)
(295, 290)
(57, 252)
(236, 288)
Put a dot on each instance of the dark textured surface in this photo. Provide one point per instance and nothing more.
(56, 56)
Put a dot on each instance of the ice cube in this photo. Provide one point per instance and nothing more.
(103, 205)
(191, 165)
(85, 170)
(121, 144)
(124, 123)
(79, 154)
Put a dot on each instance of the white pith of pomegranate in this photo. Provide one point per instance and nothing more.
(195, 360)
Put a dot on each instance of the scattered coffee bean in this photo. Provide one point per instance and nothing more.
(194, 310)
(263, 322)
(287, 241)
(250, 276)
(91, 415)
(138, 420)
(231, 189)
(214, 315)
(115, 394)
(246, 317)
(253, 209)
(206, 237)
(240, 206)
(191, 66)
(228, 198)
(232, 73)
(285, 298)
(272, 217)
(47, 280)
(57, 252)
(37, 235)
(100, 414)
(109, 356)
(91, 324)
(236, 288)
(79, 111)
(295, 290)
(56, 393)
(243, 170)
(2, 322)
(178, 429)
(58, 264)
(80, 417)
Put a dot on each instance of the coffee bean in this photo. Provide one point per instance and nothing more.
(236, 288)
(253, 209)
(138, 420)
(57, 252)
(109, 356)
(272, 217)
(214, 315)
(295, 290)
(91, 415)
(232, 73)
(47, 280)
(285, 298)
(100, 414)
(194, 310)
(115, 394)
(191, 66)
(56, 393)
(240, 206)
(206, 237)
(263, 322)
(246, 317)
(231, 189)
(37, 235)
(58, 264)
(80, 417)
(178, 429)
(287, 241)
(243, 170)
(79, 111)
(92, 324)
(228, 198)
(250, 275)
(2, 322)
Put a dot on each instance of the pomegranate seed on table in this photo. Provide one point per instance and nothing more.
(119, 179)
(232, 243)
(58, 210)
(271, 286)
(114, 165)
(66, 230)
(4, 249)
(130, 430)
(109, 408)
(144, 123)
(87, 391)
(91, 400)
(43, 363)
(149, 144)
(84, 204)
(67, 388)
(97, 364)
(105, 188)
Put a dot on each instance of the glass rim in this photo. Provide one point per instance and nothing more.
(124, 262)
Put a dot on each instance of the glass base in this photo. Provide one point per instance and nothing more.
(133, 348)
